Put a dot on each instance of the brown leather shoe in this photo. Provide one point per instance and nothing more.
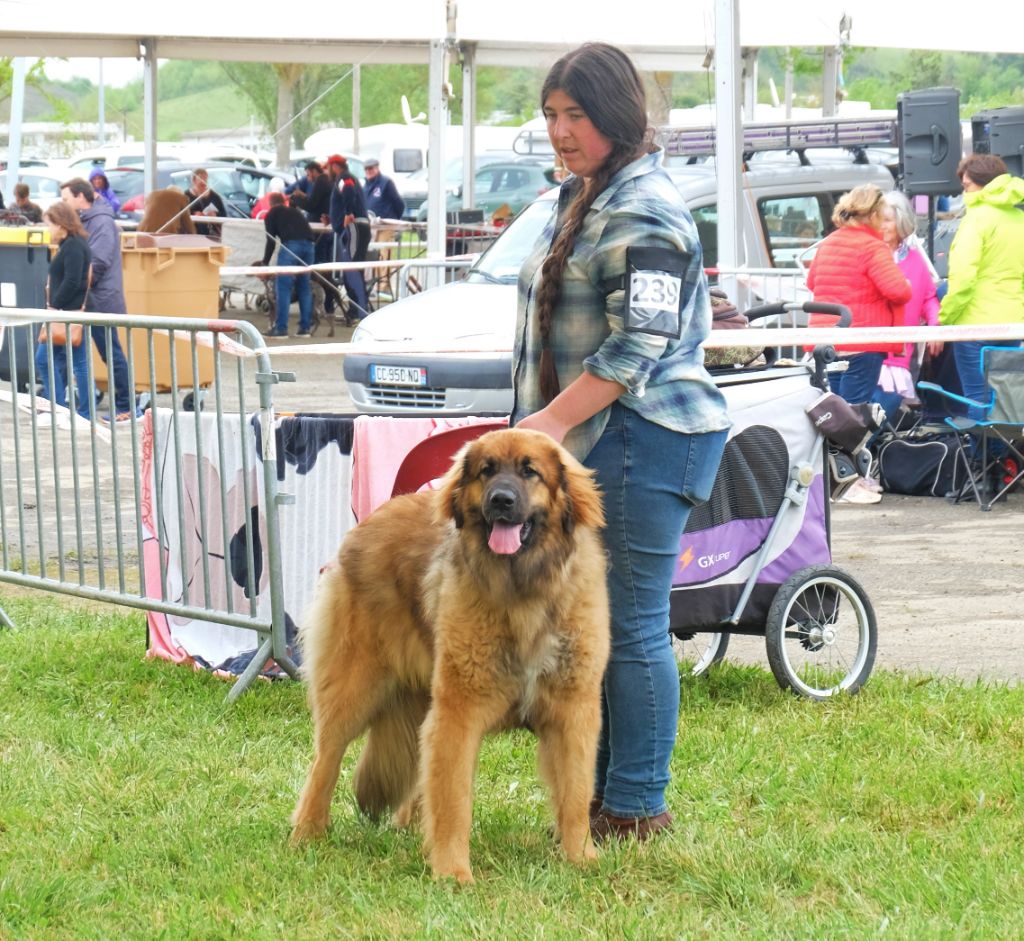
(604, 825)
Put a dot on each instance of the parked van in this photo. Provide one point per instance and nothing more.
(402, 148)
(785, 208)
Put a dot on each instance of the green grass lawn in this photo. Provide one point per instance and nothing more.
(135, 804)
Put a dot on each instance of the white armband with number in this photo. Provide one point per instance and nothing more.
(654, 291)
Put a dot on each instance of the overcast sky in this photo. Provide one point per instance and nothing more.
(116, 72)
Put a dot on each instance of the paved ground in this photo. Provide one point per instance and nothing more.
(947, 582)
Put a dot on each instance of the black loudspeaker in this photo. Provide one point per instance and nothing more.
(1000, 132)
(931, 142)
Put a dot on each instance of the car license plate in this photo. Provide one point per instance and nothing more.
(398, 375)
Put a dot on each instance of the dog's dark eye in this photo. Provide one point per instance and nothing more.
(489, 469)
(530, 471)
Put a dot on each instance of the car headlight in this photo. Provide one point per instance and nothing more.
(361, 335)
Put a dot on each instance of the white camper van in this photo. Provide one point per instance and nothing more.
(133, 154)
(403, 148)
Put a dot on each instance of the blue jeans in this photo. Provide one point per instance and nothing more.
(967, 354)
(60, 375)
(294, 252)
(860, 380)
(117, 373)
(651, 477)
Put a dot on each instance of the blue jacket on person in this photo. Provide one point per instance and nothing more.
(346, 199)
(383, 198)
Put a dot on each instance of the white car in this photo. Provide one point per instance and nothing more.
(784, 210)
(43, 185)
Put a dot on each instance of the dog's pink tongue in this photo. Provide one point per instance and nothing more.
(505, 538)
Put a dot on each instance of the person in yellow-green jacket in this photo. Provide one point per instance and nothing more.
(986, 264)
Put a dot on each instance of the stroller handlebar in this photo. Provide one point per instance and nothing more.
(808, 307)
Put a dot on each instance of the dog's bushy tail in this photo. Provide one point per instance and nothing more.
(388, 767)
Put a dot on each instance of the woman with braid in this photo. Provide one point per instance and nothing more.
(613, 306)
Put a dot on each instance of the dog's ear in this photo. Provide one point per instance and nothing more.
(582, 497)
(449, 506)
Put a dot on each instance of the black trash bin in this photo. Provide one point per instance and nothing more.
(24, 265)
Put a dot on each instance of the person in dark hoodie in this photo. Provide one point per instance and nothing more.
(107, 292)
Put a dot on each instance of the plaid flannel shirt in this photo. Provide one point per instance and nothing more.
(665, 378)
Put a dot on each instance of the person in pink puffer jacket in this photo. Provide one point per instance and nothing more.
(898, 227)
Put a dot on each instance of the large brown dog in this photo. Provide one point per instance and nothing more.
(450, 613)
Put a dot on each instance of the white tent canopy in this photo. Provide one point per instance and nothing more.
(529, 31)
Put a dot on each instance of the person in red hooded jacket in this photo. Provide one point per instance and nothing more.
(853, 266)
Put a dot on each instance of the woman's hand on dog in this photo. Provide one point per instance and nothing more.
(585, 397)
(546, 422)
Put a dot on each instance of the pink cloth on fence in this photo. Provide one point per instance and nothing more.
(161, 642)
(379, 446)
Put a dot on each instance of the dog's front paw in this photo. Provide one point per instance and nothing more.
(580, 852)
(451, 868)
(305, 830)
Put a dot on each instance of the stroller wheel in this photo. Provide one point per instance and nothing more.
(821, 633)
(698, 653)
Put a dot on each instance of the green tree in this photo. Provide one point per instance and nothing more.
(35, 77)
(924, 69)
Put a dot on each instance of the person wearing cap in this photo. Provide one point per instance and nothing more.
(351, 225)
(382, 196)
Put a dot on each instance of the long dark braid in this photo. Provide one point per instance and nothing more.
(603, 81)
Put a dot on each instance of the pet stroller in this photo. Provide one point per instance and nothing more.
(756, 558)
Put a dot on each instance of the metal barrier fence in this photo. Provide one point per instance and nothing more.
(397, 266)
(82, 508)
(752, 287)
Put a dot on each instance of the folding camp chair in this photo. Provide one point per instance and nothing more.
(995, 438)
(432, 457)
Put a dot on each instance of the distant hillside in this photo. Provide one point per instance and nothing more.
(214, 108)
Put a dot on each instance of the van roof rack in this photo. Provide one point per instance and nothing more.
(687, 141)
(848, 133)
(533, 142)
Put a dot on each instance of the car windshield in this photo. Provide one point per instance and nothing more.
(126, 183)
(502, 261)
(453, 169)
(39, 187)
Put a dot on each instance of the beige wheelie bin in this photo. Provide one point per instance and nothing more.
(168, 276)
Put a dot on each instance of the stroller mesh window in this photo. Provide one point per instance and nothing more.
(751, 480)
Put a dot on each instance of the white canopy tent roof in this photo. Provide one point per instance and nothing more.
(530, 31)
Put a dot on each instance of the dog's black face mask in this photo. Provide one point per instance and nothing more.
(506, 511)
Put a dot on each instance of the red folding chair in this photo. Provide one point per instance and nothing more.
(433, 456)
